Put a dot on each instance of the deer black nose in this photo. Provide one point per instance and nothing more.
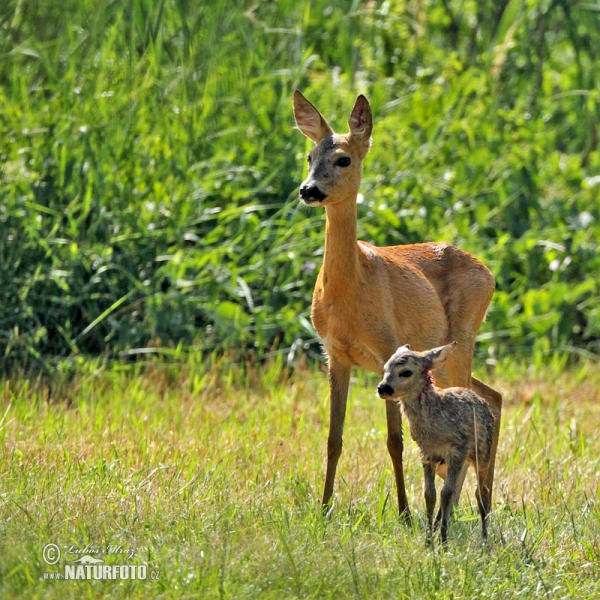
(383, 389)
(312, 193)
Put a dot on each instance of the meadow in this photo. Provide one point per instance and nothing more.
(213, 477)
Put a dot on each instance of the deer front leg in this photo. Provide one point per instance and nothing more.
(429, 473)
(339, 379)
(395, 446)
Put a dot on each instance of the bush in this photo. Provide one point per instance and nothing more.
(150, 165)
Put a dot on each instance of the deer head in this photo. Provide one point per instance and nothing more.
(335, 164)
(406, 372)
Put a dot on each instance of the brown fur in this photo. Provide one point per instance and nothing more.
(369, 299)
(452, 426)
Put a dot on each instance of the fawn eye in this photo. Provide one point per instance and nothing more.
(405, 374)
(309, 159)
(344, 161)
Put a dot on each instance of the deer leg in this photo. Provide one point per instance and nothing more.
(429, 473)
(442, 471)
(445, 506)
(458, 365)
(395, 446)
(494, 400)
(460, 480)
(483, 499)
(339, 380)
(454, 469)
(438, 518)
(456, 372)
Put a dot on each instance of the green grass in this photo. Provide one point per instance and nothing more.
(214, 476)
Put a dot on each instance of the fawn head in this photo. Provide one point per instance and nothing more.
(406, 372)
(335, 164)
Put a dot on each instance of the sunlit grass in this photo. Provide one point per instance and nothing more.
(214, 479)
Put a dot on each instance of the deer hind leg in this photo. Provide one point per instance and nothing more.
(494, 400)
(483, 498)
(459, 363)
(339, 380)
(395, 446)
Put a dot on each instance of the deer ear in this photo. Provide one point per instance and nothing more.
(361, 123)
(439, 355)
(309, 120)
(401, 350)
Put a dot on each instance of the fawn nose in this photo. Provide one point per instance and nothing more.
(312, 193)
(383, 389)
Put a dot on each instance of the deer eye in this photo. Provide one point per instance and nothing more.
(405, 374)
(309, 159)
(344, 161)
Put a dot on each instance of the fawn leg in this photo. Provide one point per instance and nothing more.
(494, 400)
(429, 473)
(438, 518)
(339, 380)
(455, 466)
(483, 498)
(457, 373)
(395, 446)
(442, 471)
(460, 480)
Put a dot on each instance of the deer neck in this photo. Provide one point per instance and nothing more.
(341, 264)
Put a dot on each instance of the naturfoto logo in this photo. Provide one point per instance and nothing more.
(88, 563)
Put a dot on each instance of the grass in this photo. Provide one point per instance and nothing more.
(213, 477)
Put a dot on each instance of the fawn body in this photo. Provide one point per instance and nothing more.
(452, 426)
(368, 299)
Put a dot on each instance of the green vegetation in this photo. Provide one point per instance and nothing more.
(149, 165)
(214, 479)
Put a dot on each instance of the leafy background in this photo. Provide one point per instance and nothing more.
(149, 166)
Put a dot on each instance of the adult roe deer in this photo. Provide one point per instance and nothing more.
(368, 299)
(451, 426)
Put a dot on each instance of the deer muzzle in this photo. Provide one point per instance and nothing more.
(385, 391)
(311, 194)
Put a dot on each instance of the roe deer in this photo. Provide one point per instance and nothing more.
(452, 426)
(368, 299)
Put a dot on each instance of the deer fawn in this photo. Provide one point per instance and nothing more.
(367, 299)
(452, 427)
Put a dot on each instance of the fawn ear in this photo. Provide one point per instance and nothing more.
(401, 350)
(309, 120)
(438, 356)
(361, 123)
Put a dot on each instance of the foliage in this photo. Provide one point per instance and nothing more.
(150, 165)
